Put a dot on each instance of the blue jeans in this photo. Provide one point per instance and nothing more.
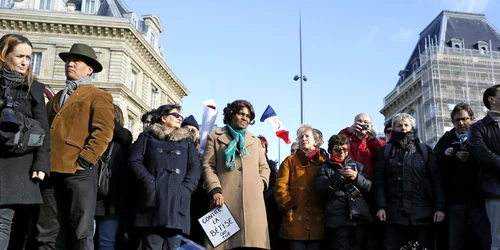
(107, 230)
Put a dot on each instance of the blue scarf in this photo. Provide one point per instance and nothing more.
(237, 142)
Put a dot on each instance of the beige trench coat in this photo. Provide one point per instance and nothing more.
(242, 188)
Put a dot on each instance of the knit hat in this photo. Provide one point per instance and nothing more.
(190, 121)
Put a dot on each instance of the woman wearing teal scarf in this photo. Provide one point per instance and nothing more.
(236, 173)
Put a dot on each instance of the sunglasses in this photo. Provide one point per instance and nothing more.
(176, 115)
(340, 150)
(464, 119)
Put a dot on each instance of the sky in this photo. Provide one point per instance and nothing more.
(249, 49)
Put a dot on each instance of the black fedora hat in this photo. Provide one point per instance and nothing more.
(86, 53)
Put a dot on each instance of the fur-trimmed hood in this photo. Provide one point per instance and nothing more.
(160, 132)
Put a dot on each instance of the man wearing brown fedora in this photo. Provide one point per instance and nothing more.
(81, 118)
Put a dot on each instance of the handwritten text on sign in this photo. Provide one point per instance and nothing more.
(219, 225)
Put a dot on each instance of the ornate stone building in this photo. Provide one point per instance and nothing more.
(126, 45)
(456, 58)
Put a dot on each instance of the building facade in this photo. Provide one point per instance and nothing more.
(456, 58)
(134, 71)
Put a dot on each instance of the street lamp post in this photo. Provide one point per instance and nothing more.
(301, 77)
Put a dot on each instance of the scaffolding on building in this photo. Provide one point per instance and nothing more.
(451, 75)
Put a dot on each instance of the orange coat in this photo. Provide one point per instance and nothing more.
(296, 189)
(82, 127)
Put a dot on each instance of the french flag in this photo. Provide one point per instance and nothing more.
(272, 117)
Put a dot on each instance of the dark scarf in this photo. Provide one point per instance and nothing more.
(11, 78)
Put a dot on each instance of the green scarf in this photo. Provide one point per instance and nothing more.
(237, 142)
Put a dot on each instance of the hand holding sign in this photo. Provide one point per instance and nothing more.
(219, 224)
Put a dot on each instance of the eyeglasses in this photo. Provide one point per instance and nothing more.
(176, 115)
(463, 119)
(340, 150)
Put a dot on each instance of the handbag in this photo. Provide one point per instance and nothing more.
(105, 175)
(359, 211)
(29, 138)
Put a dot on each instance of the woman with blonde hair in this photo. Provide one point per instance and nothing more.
(296, 193)
(22, 98)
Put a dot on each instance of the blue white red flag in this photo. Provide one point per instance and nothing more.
(271, 116)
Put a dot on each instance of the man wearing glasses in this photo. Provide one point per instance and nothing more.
(466, 210)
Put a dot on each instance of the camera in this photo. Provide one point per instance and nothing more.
(365, 127)
(352, 165)
(8, 120)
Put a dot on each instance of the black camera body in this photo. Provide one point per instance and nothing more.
(365, 127)
(8, 121)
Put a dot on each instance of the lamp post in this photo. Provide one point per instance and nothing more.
(301, 77)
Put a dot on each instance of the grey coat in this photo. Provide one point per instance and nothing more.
(16, 184)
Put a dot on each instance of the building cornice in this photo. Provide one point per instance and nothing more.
(65, 24)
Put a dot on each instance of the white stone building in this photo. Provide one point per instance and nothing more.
(127, 45)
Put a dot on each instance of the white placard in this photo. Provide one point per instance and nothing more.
(219, 224)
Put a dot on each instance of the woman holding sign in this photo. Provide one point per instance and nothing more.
(235, 173)
(166, 167)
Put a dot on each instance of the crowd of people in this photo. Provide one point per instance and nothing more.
(72, 177)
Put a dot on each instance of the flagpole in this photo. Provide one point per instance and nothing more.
(279, 150)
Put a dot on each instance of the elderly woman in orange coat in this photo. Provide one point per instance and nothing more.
(296, 193)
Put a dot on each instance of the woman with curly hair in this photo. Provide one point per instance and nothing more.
(236, 173)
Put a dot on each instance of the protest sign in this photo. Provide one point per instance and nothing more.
(219, 224)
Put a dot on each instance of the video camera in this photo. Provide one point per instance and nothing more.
(9, 124)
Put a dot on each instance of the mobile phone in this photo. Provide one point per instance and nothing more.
(456, 146)
(352, 165)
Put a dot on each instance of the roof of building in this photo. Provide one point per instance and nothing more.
(468, 27)
(114, 8)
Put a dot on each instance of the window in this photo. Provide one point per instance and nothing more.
(5, 3)
(133, 78)
(130, 123)
(482, 50)
(154, 93)
(134, 22)
(36, 59)
(90, 6)
(45, 4)
(415, 66)
(152, 40)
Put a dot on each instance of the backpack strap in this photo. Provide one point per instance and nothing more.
(387, 151)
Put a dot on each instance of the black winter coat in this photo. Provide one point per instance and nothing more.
(460, 178)
(409, 189)
(114, 203)
(16, 184)
(331, 186)
(484, 143)
(166, 169)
